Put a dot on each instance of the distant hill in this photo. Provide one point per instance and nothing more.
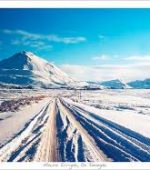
(115, 84)
(140, 84)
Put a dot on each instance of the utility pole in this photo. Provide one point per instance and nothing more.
(79, 95)
(50, 72)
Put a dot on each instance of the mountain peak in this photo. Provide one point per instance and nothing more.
(25, 53)
(28, 69)
(23, 60)
(28, 55)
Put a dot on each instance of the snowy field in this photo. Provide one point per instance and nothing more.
(75, 126)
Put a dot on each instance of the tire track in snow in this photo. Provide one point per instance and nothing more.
(70, 144)
(88, 140)
(23, 146)
(138, 140)
(117, 142)
(62, 131)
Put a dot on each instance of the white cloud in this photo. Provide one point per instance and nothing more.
(101, 36)
(105, 57)
(66, 40)
(108, 72)
(101, 57)
(39, 45)
(28, 40)
(28, 35)
(50, 37)
(80, 72)
(6, 31)
(145, 58)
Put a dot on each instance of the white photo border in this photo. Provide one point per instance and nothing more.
(75, 4)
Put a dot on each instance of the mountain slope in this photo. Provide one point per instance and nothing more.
(26, 69)
(140, 84)
(115, 84)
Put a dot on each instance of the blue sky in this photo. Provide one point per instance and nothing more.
(89, 44)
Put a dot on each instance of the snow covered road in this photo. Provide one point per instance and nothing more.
(67, 131)
(47, 150)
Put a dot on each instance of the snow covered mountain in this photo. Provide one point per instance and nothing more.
(140, 84)
(27, 69)
(115, 84)
(86, 85)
